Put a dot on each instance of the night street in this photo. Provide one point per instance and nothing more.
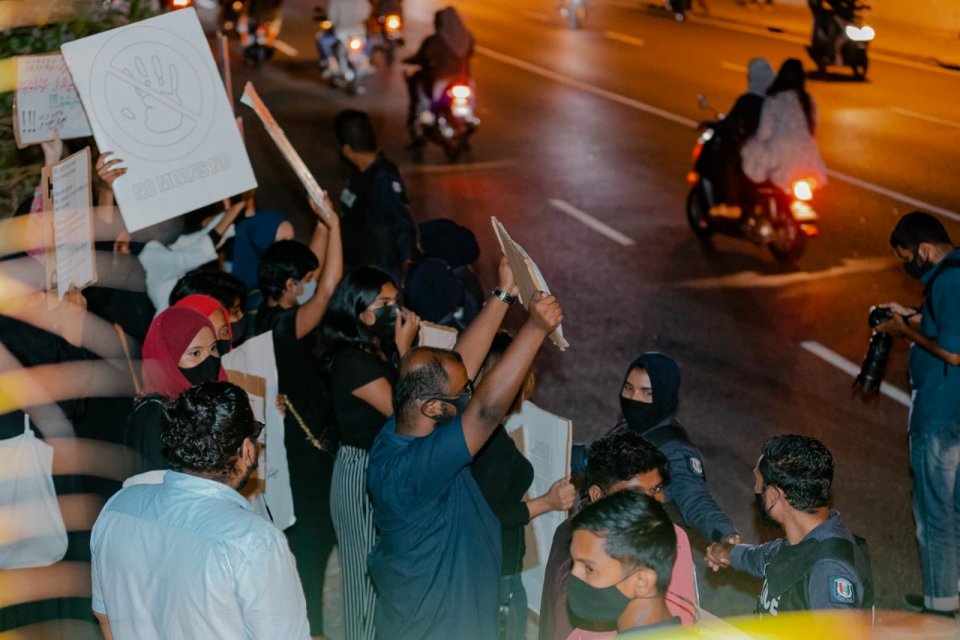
(601, 122)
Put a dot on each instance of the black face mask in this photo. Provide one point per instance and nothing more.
(460, 402)
(598, 605)
(385, 324)
(768, 520)
(238, 330)
(915, 268)
(206, 371)
(640, 415)
(223, 347)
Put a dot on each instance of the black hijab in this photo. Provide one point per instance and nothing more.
(664, 380)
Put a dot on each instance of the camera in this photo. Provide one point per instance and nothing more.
(875, 360)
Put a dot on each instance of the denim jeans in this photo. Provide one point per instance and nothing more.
(935, 461)
(513, 608)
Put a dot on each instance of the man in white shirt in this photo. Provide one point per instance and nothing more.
(189, 558)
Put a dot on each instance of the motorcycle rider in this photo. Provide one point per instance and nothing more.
(442, 56)
(265, 13)
(724, 166)
(349, 18)
(826, 26)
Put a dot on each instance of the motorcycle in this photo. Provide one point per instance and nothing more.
(386, 32)
(258, 26)
(840, 38)
(348, 60)
(779, 219)
(574, 12)
(450, 120)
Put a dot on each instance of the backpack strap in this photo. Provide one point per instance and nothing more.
(928, 288)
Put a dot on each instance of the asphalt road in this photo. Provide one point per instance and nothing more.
(600, 120)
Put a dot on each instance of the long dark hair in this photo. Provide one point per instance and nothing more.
(341, 326)
(791, 78)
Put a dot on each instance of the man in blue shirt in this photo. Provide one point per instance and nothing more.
(189, 558)
(921, 241)
(436, 566)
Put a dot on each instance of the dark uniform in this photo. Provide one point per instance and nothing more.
(376, 224)
(828, 569)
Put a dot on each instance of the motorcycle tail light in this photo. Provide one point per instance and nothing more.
(460, 92)
(180, 4)
(803, 190)
(692, 177)
(356, 44)
(393, 22)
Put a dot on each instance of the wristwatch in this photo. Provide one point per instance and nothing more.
(503, 295)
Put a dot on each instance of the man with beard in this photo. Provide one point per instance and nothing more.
(820, 564)
(921, 241)
(189, 557)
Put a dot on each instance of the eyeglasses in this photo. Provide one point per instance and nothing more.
(466, 392)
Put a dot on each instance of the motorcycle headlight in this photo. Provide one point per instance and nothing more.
(860, 34)
(355, 44)
(393, 22)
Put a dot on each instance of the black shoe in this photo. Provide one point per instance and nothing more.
(416, 143)
(915, 601)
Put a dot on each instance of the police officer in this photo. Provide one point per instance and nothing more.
(377, 227)
(820, 564)
(649, 399)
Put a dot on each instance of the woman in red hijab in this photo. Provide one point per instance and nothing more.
(179, 352)
(211, 309)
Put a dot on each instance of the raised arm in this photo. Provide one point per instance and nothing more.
(311, 313)
(475, 341)
(498, 388)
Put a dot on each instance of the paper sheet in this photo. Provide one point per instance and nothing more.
(154, 98)
(72, 200)
(253, 367)
(46, 100)
(527, 274)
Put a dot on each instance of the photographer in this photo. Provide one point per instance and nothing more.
(921, 241)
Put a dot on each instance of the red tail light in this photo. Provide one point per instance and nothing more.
(460, 92)
(180, 4)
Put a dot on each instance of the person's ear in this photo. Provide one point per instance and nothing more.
(432, 408)
(367, 317)
(594, 493)
(642, 584)
(290, 286)
(249, 451)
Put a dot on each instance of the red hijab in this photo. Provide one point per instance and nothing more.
(170, 333)
(206, 305)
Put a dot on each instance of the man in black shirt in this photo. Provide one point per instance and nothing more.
(377, 227)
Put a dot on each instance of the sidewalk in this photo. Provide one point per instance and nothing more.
(932, 46)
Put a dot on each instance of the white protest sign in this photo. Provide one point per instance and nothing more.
(253, 367)
(73, 223)
(46, 100)
(154, 98)
(437, 336)
(545, 440)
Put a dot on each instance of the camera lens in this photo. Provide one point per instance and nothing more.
(874, 364)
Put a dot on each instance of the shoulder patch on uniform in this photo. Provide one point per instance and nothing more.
(348, 197)
(397, 187)
(841, 591)
(696, 466)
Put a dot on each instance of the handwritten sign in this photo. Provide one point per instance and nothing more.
(73, 223)
(154, 98)
(45, 100)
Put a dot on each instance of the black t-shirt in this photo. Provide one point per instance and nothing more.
(298, 372)
(143, 433)
(358, 422)
(504, 475)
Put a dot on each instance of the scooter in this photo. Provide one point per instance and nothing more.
(386, 30)
(349, 60)
(779, 219)
(840, 38)
(574, 12)
(450, 120)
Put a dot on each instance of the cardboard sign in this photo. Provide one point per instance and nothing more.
(527, 274)
(46, 100)
(72, 199)
(436, 335)
(154, 98)
(545, 440)
(252, 367)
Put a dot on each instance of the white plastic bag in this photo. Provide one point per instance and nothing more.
(32, 533)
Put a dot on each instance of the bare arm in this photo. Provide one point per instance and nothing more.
(104, 625)
(229, 216)
(493, 398)
(906, 323)
(475, 341)
(378, 394)
(310, 314)
(560, 497)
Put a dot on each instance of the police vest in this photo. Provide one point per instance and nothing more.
(787, 575)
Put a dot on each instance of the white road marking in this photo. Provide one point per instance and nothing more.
(458, 167)
(752, 279)
(589, 88)
(831, 357)
(733, 66)
(620, 37)
(693, 124)
(285, 48)
(925, 117)
(592, 222)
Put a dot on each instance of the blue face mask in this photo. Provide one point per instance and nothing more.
(309, 288)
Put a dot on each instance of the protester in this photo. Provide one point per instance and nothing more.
(255, 231)
(623, 549)
(225, 289)
(437, 564)
(297, 283)
(180, 352)
(218, 316)
(362, 332)
(377, 227)
(504, 476)
(820, 564)
(189, 557)
(618, 461)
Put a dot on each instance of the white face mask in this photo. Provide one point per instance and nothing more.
(309, 288)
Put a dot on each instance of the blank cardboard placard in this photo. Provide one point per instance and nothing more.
(153, 95)
(545, 440)
(46, 100)
(72, 199)
(526, 273)
(437, 336)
